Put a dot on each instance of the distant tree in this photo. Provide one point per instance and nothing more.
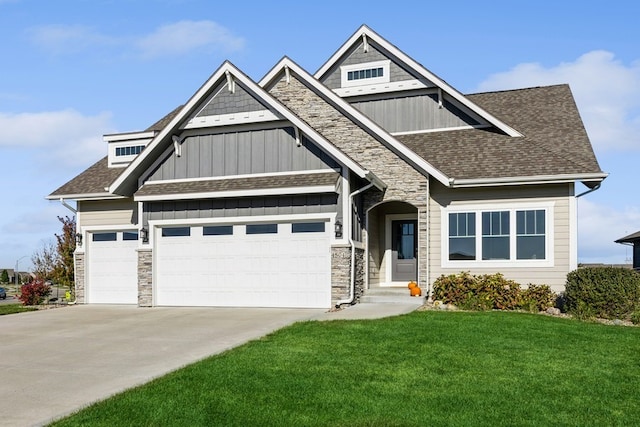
(4, 277)
(44, 261)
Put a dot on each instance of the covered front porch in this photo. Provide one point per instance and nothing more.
(396, 244)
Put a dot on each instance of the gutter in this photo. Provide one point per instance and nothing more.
(352, 267)
(539, 179)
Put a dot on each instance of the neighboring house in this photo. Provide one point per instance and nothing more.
(306, 190)
(633, 240)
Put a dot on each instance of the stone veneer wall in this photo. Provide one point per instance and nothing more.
(79, 276)
(145, 278)
(404, 183)
(341, 273)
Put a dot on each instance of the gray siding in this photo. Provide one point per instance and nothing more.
(239, 153)
(225, 102)
(358, 56)
(229, 208)
(413, 113)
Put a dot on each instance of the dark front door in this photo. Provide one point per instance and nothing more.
(404, 248)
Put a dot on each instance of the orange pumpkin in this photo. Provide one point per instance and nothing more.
(412, 284)
(416, 291)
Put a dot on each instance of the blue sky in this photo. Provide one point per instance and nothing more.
(72, 71)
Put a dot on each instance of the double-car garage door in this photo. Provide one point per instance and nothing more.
(247, 265)
(236, 265)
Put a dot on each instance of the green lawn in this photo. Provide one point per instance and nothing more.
(14, 308)
(421, 369)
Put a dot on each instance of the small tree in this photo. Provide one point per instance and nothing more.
(44, 261)
(63, 271)
(4, 277)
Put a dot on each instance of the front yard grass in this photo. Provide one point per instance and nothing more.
(425, 368)
(14, 308)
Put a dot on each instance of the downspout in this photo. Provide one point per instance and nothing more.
(591, 190)
(352, 279)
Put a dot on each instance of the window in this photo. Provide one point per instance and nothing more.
(217, 230)
(530, 234)
(262, 228)
(365, 73)
(517, 236)
(176, 232)
(130, 235)
(462, 236)
(307, 227)
(495, 235)
(105, 237)
(129, 151)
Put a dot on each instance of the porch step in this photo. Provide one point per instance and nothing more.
(390, 295)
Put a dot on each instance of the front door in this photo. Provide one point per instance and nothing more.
(404, 250)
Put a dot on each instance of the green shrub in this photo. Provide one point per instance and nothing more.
(490, 291)
(606, 292)
(635, 317)
(537, 298)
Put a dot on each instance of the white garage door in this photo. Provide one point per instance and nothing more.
(112, 268)
(253, 265)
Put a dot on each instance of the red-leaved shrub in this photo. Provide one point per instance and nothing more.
(34, 293)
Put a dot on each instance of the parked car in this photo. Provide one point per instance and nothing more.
(3, 293)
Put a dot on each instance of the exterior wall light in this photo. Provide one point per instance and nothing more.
(338, 229)
(144, 235)
(78, 239)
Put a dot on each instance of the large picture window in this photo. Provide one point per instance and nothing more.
(479, 236)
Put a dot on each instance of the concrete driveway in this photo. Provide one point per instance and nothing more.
(57, 361)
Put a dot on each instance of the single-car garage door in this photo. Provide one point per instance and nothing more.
(248, 265)
(112, 268)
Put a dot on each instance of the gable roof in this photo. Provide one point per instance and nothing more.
(127, 182)
(631, 238)
(286, 65)
(554, 147)
(374, 38)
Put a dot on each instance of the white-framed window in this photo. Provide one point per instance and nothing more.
(498, 236)
(366, 73)
(129, 150)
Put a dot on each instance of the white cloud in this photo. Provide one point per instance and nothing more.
(63, 138)
(64, 39)
(599, 226)
(186, 36)
(606, 90)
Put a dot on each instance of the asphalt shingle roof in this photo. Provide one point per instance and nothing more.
(554, 142)
(239, 184)
(91, 181)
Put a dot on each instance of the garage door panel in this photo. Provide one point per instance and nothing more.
(249, 270)
(112, 270)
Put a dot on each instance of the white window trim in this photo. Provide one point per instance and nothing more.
(345, 69)
(549, 261)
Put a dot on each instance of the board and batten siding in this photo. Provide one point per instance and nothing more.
(241, 153)
(359, 56)
(247, 206)
(100, 213)
(559, 194)
(413, 112)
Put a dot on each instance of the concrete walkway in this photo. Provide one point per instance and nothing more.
(55, 362)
